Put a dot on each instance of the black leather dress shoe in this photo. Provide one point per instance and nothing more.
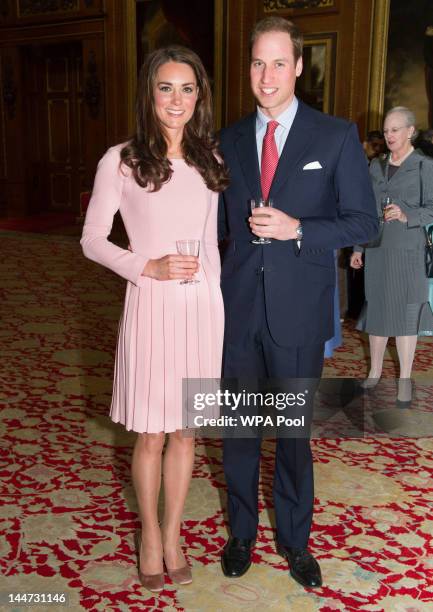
(236, 558)
(303, 566)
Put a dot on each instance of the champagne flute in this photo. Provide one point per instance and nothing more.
(385, 201)
(188, 247)
(261, 204)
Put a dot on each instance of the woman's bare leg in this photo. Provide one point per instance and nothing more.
(177, 470)
(377, 351)
(146, 477)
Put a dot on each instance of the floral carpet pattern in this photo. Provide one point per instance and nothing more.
(67, 508)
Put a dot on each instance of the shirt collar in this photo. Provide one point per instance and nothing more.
(285, 119)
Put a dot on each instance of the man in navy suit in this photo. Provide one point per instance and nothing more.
(279, 297)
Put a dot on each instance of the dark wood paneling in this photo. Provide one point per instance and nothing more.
(93, 125)
(13, 184)
(60, 32)
(61, 134)
(54, 159)
(59, 130)
(120, 69)
(241, 15)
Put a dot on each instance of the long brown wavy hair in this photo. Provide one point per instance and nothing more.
(146, 152)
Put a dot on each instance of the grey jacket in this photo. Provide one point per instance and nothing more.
(404, 189)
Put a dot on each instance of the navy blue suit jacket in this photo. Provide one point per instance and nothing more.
(335, 204)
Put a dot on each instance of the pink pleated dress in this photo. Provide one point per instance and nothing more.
(168, 332)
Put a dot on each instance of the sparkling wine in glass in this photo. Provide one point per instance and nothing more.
(188, 247)
(261, 204)
(385, 201)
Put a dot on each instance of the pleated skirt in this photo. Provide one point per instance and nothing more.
(396, 293)
(168, 332)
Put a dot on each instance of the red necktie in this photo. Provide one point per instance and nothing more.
(269, 158)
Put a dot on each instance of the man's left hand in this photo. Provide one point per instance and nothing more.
(276, 224)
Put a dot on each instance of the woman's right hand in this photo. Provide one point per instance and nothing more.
(356, 260)
(172, 267)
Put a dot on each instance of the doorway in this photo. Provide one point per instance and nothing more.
(53, 91)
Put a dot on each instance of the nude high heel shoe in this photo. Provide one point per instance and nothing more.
(182, 575)
(152, 582)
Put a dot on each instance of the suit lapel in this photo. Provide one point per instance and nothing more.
(409, 164)
(298, 140)
(384, 167)
(246, 148)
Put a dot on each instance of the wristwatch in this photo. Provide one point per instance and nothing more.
(299, 232)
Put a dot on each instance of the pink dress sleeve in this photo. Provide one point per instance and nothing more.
(105, 202)
(210, 235)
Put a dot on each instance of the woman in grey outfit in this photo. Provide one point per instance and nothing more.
(396, 286)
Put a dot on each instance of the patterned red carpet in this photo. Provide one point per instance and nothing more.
(68, 510)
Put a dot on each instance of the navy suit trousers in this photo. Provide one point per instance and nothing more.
(258, 356)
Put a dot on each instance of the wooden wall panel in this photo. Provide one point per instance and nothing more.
(60, 130)
(121, 68)
(3, 148)
(35, 127)
(13, 185)
(53, 161)
(94, 123)
(61, 190)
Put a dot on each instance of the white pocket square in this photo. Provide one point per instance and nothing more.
(315, 165)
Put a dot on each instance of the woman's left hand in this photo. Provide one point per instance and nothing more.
(394, 213)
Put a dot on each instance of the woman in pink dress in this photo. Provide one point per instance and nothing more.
(165, 183)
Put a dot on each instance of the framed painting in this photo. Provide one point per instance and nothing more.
(402, 60)
(300, 7)
(316, 85)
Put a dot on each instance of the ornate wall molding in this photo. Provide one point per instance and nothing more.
(275, 5)
(9, 88)
(92, 87)
(37, 7)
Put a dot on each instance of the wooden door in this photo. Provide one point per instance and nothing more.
(55, 152)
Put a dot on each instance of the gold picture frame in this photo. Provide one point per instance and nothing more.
(316, 85)
(379, 46)
(300, 7)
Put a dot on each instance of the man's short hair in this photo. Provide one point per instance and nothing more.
(279, 24)
(374, 134)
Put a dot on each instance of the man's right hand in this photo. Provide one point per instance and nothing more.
(356, 260)
(172, 267)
